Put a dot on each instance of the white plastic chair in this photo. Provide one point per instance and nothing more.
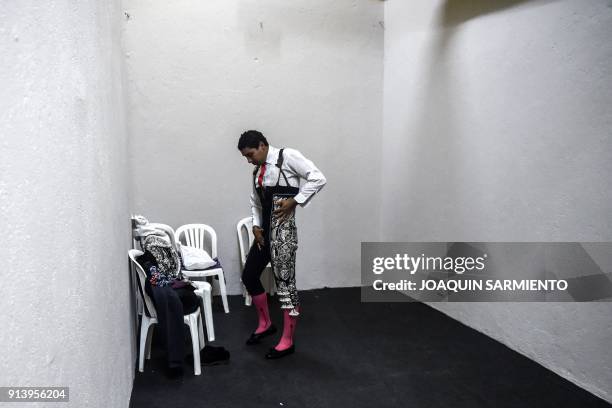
(149, 318)
(136, 241)
(194, 235)
(244, 243)
(204, 290)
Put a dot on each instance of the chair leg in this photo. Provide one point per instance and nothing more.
(247, 297)
(201, 332)
(223, 291)
(144, 331)
(208, 316)
(149, 341)
(193, 329)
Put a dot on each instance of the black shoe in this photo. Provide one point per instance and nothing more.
(212, 355)
(255, 338)
(274, 353)
(174, 372)
(209, 349)
(206, 351)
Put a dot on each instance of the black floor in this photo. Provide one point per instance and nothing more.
(355, 354)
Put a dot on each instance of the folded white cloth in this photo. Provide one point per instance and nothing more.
(195, 258)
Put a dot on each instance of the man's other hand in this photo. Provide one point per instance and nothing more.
(259, 238)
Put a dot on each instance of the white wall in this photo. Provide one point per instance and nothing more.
(497, 128)
(64, 207)
(308, 74)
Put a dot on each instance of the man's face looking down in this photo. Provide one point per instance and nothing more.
(257, 156)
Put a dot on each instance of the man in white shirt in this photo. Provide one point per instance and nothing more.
(276, 193)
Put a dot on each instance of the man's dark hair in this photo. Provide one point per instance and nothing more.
(251, 138)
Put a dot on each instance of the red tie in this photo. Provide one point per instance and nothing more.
(261, 175)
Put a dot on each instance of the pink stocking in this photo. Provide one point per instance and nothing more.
(261, 304)
(289, 324)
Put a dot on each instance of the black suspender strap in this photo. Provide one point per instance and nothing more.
(279, 163)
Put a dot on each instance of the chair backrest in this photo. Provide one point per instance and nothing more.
(245, 241)
(141, 277)
(194, 235)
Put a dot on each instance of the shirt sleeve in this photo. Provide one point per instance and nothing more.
(255, 207)
(315, 180)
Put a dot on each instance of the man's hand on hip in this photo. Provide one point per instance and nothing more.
(285, 208)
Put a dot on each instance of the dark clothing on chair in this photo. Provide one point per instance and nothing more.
(171, 305)
(170, 322)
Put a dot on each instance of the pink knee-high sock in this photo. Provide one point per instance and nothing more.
(289, 323)
(261, 304)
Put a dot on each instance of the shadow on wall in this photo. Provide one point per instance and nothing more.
(436, 139)
(456, 12)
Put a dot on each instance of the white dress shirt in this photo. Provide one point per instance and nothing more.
(295, 166)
